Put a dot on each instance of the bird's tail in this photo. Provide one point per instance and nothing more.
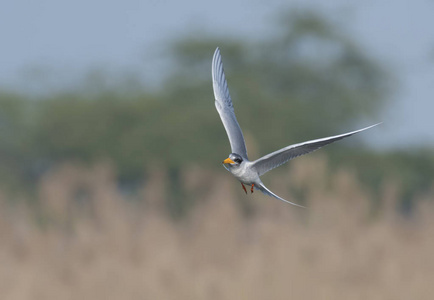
(266, 191)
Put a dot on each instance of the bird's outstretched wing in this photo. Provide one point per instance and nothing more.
(223, 103)
(266, 191)
(279, 157)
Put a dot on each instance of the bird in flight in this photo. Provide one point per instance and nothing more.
(246, 171)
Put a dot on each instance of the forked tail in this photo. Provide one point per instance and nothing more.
(266, 191)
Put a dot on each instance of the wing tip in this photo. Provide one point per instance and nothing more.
(369, 127)
(216, 63)
(216, 55)
(218, 76)
(379, 123)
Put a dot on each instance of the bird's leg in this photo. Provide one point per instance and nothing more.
(244, 188)
(251, 189)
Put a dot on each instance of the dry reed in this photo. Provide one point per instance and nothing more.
(95, 244)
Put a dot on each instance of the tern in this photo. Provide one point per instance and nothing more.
(246, 171)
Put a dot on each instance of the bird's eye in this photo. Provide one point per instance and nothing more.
(237, 160)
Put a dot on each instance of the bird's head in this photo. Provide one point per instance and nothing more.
(233, 160)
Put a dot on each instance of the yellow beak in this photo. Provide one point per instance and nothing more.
(228, 161)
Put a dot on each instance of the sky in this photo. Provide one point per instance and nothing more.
(48, 45)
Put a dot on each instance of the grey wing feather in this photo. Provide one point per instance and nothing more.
(223, 103)
(266, 191)
(279, 157)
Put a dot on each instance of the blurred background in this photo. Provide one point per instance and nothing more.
(111, 184)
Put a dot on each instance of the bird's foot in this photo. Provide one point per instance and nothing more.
(251, 189)
(244, 188)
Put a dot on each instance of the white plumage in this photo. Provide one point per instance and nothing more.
(248, 172)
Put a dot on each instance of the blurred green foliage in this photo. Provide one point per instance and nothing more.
(309, 80)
